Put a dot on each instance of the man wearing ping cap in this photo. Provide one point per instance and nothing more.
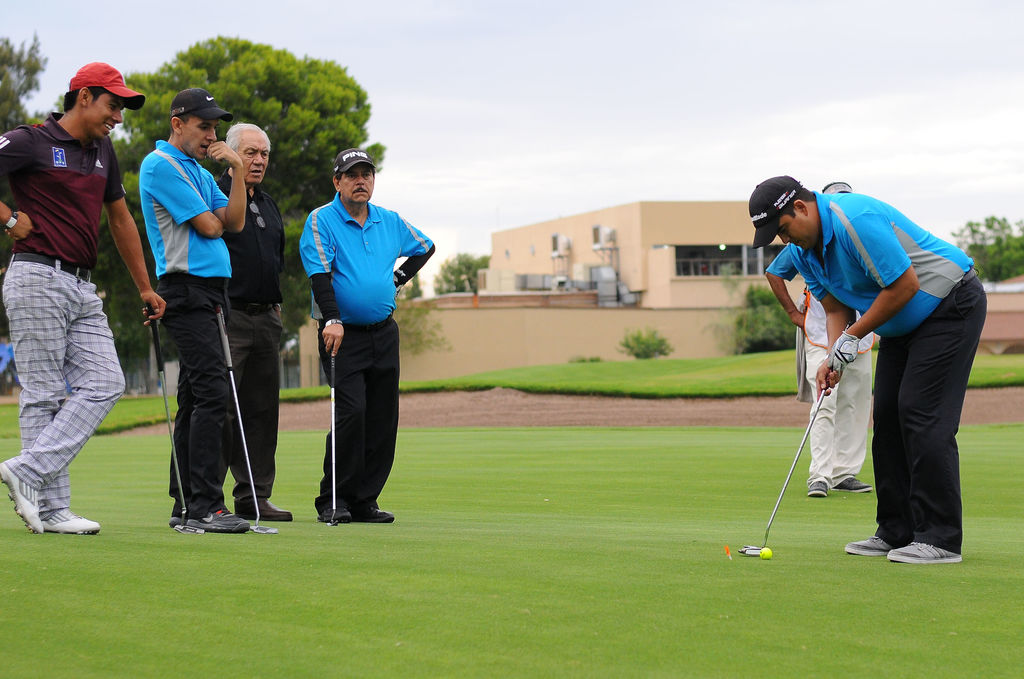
(921, 295)
(186, 215)
(64, 174)
(349, 249)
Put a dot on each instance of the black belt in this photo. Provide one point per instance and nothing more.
(371, 326)
(217, 283)
(968, 277)
(252, 308)
(79, 272)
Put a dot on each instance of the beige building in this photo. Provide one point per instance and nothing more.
(657, 255)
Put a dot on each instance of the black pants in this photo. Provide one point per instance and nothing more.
(366, 416)
(920, 383)
(203, 390)
(255, 341)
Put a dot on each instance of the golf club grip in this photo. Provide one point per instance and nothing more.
(223, 336)
(156, 340)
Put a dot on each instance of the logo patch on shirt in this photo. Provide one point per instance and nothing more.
(99, 164)
(4, 141)
(59, 159)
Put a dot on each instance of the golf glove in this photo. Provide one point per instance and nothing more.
(843, 352)
(400, 281)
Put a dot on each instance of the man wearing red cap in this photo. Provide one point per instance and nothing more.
(63, 174)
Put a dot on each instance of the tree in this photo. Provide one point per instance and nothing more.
(996, 247)
(419, 331)
(311, 110)
(458, 273)
(762, 325)
(19, 77)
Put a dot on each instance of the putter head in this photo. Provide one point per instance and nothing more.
(750, 550)
(191, 530)
(263, 530)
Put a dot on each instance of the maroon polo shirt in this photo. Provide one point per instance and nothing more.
(62, 185)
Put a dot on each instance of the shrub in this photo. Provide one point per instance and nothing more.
(762, 325)
(646, 343)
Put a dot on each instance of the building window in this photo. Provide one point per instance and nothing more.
(723, 260)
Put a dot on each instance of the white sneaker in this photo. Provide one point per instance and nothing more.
(66, 521)
(919, 552)
(26, 499)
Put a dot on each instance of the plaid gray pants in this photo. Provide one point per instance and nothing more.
(61, 339)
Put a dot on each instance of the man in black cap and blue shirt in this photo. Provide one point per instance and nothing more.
(921, 295)
(186, 215)
(349, 249)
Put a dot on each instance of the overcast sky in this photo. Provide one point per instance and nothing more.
(502, 114)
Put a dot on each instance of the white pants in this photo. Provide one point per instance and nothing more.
(839, 436)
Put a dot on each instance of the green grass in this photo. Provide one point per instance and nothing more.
(518, 553)
(768, 374)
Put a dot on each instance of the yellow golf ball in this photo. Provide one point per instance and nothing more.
(766, 553)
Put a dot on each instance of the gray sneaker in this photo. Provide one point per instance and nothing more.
(817, 489)
(873, 546)
(918, 552)
(220, 522)
(26, 499)
(852, 485)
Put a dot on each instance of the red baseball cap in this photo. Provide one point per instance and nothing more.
(98, 74)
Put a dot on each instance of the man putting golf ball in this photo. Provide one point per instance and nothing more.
(920, 294)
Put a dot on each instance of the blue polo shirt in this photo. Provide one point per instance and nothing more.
(174, 189)
(360, 258)
(783, 265)
(866, 246)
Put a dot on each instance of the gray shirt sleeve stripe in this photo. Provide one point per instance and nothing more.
(857, 243)
(177, 166)
(314, 226)
(415, 235)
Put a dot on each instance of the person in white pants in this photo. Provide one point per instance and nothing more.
(840, 432)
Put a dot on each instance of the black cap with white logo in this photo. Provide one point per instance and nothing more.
(350, 158)
(198, 102)
(770, 198)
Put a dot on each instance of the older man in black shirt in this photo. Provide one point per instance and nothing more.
(254, 329)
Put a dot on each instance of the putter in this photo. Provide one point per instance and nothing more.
(751, 550)
(181, 527)
(334, 477)
(256, 527)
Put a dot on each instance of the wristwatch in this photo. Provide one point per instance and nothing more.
(332, 321)
(12, 221)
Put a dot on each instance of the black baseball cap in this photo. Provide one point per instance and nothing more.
(770, 198)
(351, 157)
(198, 102)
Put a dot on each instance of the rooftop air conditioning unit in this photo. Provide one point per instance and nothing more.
(601, 237)
(560, 245)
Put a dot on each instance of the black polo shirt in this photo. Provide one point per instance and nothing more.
(62, 186)
(257, 252)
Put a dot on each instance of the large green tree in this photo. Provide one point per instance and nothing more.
(996, 246)
(311, 110)
(458, 273)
